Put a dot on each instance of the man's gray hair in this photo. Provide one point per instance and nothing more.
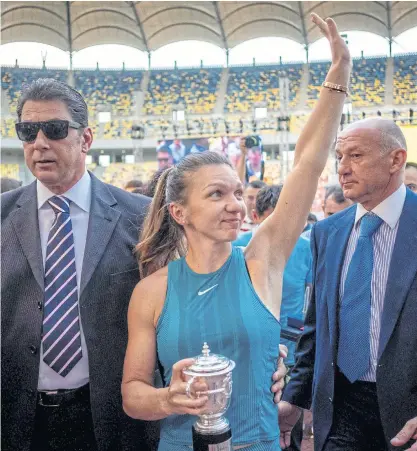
(49, 89)
(391, 134)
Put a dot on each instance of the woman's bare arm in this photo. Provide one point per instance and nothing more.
(141, 400)
(272, 244)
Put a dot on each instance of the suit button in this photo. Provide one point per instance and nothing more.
(332, 363)
(331, 399)
(39, 305)
(33, 349)
(380, 365)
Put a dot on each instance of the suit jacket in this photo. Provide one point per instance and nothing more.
(110, 272)
(313, 377)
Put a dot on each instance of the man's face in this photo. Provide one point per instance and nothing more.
(164, 160)
(254, 156)
(58, 164)
(250, 200)
(411, 178)
(364, 170)
(331, 206)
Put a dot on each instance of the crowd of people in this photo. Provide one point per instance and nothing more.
(109, 294)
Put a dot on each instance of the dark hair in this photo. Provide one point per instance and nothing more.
(411, 164)
(140, 190)
(134, 184)
(150, 191)
(336, 192)
(44, 89)
(256, 184)
(311, 218)
(8, 184)
(162, 239)
(267, 198)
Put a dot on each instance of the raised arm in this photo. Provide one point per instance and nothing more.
(277, 235)
(241, 164)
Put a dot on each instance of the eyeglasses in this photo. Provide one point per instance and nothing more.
(55, 129)
(163, 160)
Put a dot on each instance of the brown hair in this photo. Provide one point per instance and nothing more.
(162, 239)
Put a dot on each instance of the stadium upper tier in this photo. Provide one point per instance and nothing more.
(194, 89)
(260, 85)
(367, 84)
(203, 92)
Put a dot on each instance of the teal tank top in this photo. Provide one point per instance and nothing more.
(222, 309)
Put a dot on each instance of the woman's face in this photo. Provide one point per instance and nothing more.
(214, 207)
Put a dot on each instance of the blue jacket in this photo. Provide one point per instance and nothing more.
(313, 377)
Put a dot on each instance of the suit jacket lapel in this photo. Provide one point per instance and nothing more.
(403, 269)
(26, 226)
(335, 254)
(103, 220)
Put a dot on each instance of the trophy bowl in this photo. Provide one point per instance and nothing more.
(216, 371)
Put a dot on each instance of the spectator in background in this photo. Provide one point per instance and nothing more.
(164, 158)
(178, 150)
(132, 185)
(199, 146)
(411, 176)
(8, 184)
(297, 277)
(311, 220)
(141, 190)
(249, 197)
(255, 166)
(334, 200)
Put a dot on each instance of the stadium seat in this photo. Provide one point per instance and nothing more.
(367, 84)
(195, 89)
(112, 88)
(405, 79)
(118, 174)
(9, 170)
(260, 84)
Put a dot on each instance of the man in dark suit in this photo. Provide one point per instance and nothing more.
(68, 271)
(356, 364)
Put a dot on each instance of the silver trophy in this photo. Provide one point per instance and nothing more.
(211, 432)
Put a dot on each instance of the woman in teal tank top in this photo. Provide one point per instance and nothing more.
(196, 288)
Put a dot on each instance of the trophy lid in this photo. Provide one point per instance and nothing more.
(207, 363)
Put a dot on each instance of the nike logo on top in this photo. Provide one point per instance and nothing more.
(200, 293)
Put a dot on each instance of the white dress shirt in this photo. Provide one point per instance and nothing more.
(80, 197)
(383, 240)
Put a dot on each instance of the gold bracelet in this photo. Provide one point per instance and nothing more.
(334, 87)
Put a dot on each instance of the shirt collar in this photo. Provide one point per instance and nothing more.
(80, 193)
(389, 210)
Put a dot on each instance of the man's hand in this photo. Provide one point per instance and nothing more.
(407, 433)
(288, 415)
(279, 376)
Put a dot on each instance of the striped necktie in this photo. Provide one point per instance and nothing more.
(354, 351)
(61, 338)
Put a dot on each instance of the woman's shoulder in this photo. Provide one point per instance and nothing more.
(152, 287)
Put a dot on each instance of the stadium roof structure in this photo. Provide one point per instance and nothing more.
(147, 26)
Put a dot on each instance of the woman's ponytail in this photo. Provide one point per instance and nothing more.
(162, 239)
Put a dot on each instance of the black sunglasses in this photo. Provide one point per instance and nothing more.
(55, 129)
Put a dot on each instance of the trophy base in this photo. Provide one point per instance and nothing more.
(212, 442)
